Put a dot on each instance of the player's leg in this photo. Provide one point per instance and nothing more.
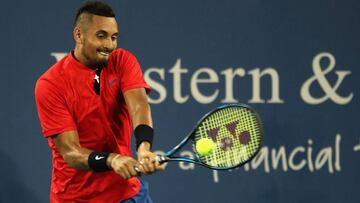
(143, 196)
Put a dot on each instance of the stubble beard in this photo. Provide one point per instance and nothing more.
(93, 63)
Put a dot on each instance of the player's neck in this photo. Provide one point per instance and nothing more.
(81, 58)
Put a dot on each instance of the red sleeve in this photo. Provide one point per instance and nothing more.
(53, 113)
(130, 73)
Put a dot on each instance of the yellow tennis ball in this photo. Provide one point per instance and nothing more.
(204, 146)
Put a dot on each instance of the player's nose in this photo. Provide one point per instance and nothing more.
(109, 44)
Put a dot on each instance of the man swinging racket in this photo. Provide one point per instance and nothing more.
(88, 103)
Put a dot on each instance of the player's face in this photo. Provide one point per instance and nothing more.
(99, 40)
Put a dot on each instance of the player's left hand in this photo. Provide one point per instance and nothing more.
(148, 160)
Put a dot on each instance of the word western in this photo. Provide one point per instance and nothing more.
(205, 85)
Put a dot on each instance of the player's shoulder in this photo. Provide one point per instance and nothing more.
(53, 76)
(121, 51)
(121, 54)
(56, 70)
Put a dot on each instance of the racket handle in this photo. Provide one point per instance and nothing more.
(161, 159)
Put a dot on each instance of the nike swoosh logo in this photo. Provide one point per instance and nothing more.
(112, 81)
(97, 157)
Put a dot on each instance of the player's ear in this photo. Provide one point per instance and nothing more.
(77, 35)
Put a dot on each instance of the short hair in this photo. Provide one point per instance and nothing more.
(95, 8)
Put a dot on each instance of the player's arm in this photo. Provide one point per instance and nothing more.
(68, 144)
(77, 157)
(54, 114)
(139, 110)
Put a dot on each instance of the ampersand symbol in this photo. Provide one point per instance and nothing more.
(357, 148)
(319, 75)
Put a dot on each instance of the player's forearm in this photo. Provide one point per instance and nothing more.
(143, 131)
(138, 107)
(77, 158)
(141, 114)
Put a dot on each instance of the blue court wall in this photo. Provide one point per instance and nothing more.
(296, 62)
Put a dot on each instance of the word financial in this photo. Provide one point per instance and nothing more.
(299, 158)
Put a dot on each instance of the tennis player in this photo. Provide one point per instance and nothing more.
(88, 103)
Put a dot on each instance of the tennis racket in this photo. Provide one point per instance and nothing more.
(236, 132)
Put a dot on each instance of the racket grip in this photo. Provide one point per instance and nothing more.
(161, 159)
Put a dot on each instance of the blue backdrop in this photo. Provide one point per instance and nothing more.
(296, 62)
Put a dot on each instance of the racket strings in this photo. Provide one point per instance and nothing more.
(231, 149)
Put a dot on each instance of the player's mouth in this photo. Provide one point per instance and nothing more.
(104, 53)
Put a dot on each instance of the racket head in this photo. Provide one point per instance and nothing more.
(237, 133)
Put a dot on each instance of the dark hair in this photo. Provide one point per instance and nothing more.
(96, 8)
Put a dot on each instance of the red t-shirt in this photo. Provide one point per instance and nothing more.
(66, 100)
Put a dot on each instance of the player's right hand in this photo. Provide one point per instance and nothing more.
(125, 166)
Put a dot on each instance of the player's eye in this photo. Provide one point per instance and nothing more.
(101, 36)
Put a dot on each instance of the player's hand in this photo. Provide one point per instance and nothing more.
(148, 160)
(125, 166)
